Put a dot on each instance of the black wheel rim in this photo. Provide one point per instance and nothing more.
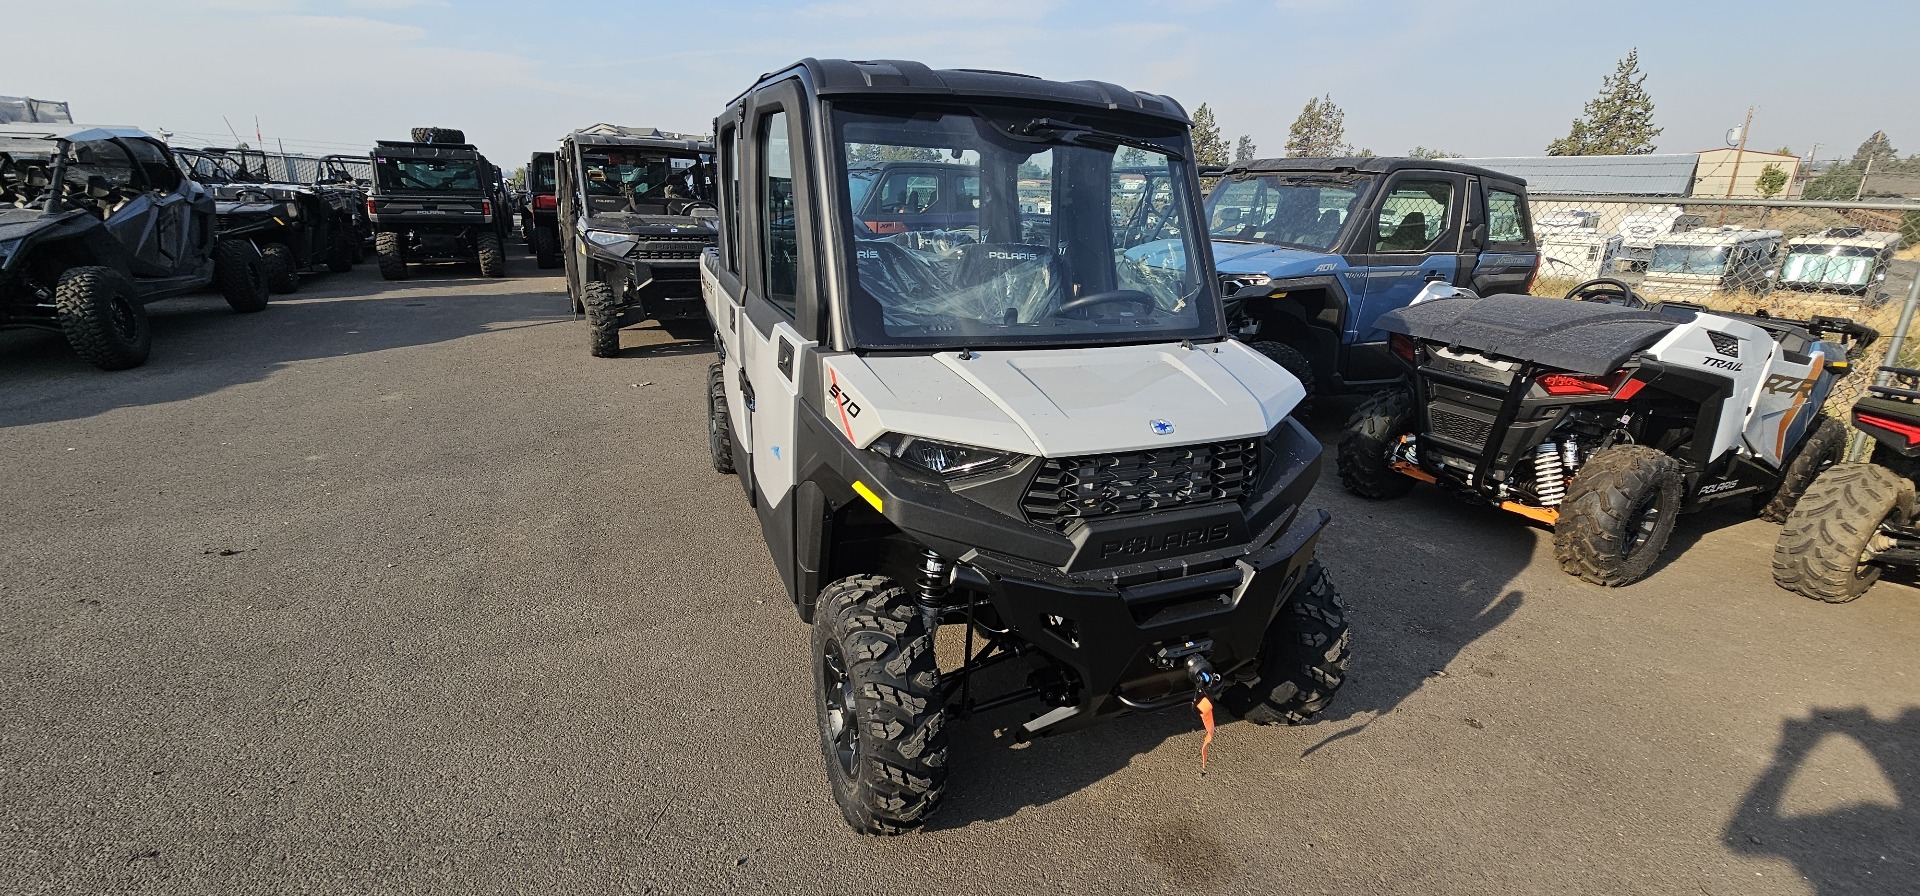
(1642, 523)
(836, 694)
(125, 320)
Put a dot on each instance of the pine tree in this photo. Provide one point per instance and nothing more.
(1243, 149)
(1320, 131)
(1619, 121)
(1209, 148)
(1877, 149)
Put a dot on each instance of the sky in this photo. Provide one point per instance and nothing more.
(1474, 77)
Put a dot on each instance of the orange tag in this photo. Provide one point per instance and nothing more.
(1206, 720)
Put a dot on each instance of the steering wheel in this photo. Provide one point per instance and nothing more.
(1110, 297)
(1608, 290)
(241, 194)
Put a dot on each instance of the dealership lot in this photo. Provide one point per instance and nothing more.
(392, 588)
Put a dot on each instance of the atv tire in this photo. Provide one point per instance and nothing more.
(546, 249)
(102, 318)
(719, 420)
(283, 274)
(1373, 430)
(439, 135)
(1303, 660)
(343, 248)
(240, 273)
(1820, 550)
(492, 254)
(1617, 516)
(392, 254)
(1295, 363)
(603, 319)
(882, 717)
(1821, 450)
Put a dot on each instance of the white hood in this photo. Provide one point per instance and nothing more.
(1065, 402)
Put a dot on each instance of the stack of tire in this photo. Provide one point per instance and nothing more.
(439, 135)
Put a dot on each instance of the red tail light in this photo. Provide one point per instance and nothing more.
(545, 203)
(486, 209)
(887, 226)
(371, 208)
(1402, 348)
(1576, 384)
(1891, 425)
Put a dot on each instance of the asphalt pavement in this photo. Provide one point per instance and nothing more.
(391, 588)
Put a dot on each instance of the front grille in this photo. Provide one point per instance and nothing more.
(671, 250)
(1460, 428)
(1076, 488)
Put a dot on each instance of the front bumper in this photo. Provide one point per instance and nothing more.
(1110, 637)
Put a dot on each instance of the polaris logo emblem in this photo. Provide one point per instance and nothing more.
(1718, 487)
(1721, 364)
(1161, 427)
(1013, 256)
(1164, 541)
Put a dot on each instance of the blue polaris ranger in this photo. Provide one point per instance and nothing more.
(1311, 252)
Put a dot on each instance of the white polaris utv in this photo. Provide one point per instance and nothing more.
(1014, 409)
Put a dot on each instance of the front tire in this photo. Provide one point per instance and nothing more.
(1303, 660)
(283, 273)
(882, 718)
(1617, 516)
(102, 318)
(1822, 548)
(546, 249)
(1295, 363)
(1822, 449)
(492, 254)
(1364, 462)
(240, 273)
(392, 255)
(719, 420)
(603, 319)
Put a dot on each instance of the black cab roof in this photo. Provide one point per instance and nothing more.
(902, 78)
(1363, 165)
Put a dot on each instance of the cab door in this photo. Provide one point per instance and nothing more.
(1499, 250)
(1415, 237)
(170, 242)
(780, 306)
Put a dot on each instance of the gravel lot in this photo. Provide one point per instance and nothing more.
(393, 589)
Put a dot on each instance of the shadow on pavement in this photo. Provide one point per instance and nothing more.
(201, 346)
(1403, 634)
(1869, 846)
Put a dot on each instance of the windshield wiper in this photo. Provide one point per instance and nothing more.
(1056, 131)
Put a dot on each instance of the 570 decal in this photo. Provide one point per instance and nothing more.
(845, 401)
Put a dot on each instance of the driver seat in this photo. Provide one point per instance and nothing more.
(1410, 235)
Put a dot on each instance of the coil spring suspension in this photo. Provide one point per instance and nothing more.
(935, 574)
(1549, 475)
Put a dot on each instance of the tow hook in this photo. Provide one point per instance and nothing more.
(1204, 678)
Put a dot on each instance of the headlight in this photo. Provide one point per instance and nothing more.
(617, 243)
(941, 458)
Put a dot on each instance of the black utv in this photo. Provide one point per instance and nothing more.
(297, 228)
(352, 178)
(436, 201)
(1030, 427)
(539, 211)
(639, 207)
(98, 222)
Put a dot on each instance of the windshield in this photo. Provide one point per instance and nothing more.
(1018, 230)
(1836, 265)
(639, 180)
(1297, 211)
(1688, 260)
(436, 175)
(26, 173)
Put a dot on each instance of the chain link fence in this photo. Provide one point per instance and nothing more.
(1787, 258)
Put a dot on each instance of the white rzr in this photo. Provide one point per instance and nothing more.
(1002, 400)
(1601, 416)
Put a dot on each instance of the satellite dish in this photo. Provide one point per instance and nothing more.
(1733, 136)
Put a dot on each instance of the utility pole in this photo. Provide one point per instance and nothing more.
(1738, 155)
(1862, 187)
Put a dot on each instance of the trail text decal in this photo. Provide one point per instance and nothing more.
(1721, 363)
